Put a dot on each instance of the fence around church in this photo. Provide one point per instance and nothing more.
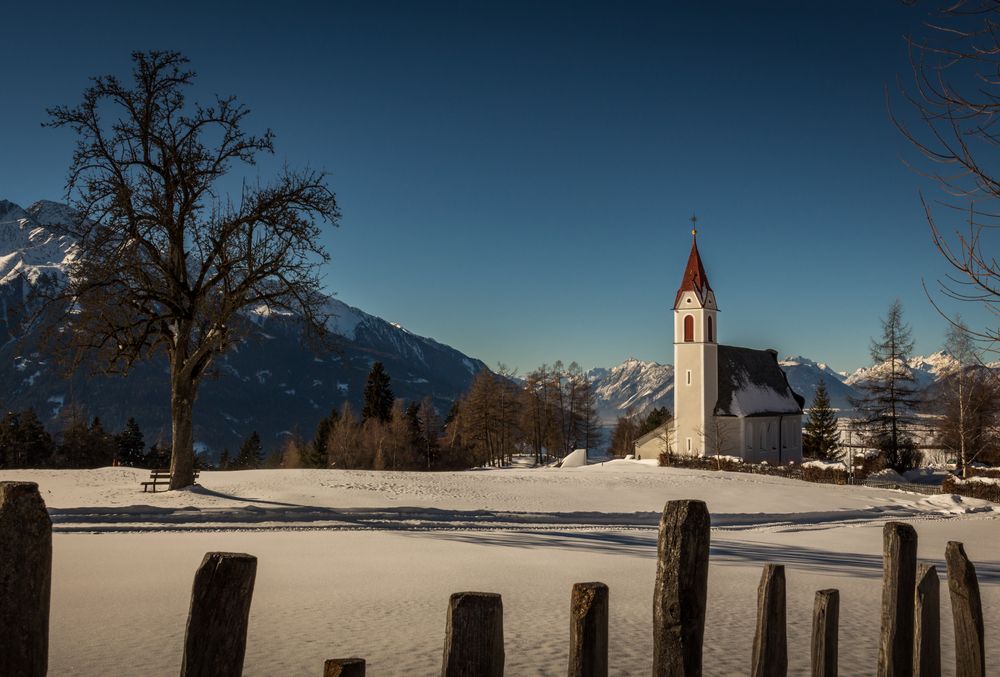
(215, 638)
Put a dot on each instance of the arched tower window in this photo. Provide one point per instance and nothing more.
(688, 328)
(711, 330)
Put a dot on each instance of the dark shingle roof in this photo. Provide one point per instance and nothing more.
(752, 384)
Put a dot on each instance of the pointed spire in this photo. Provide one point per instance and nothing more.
(695, 279)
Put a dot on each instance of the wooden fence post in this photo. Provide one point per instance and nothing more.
(473, 644)
(967, 612)
(825, 637)
(899, 574)
(681, 589)
(216, 637)
(25, 580)
(770, 644)
(588, 630)
(927, 628)
(344, 667)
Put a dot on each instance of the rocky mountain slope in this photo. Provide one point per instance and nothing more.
(270, 383)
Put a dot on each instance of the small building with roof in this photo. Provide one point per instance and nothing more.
(728, 400)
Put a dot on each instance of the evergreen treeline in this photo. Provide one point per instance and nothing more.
(25, 443)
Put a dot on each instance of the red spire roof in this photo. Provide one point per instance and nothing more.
(694, 278)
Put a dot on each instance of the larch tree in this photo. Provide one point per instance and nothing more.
(167, 261)
(624, 435)
(821, 437)
(887, 406)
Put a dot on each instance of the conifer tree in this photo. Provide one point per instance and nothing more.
(378, 397)
(821, 439)
(251, 452)
(130, 445)
(24, 442)
(315, 454)
(653, 420)
(224, 461)
(886, 409)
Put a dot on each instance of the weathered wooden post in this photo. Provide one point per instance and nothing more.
(825, 633)
(25, 580)
(681, 589)
(344, 667)
(216, 637)
(899, 574)
(473, 644)
(927, 628)
(967, 612)
(588, 630)
(770, 643)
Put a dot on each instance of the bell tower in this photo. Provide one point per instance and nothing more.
(696, 361)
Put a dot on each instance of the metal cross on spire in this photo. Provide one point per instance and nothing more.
(694, 225)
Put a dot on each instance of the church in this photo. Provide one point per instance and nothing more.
(727, 400)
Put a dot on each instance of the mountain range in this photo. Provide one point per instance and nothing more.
(270, 382)
(273, 384)
(639, 386)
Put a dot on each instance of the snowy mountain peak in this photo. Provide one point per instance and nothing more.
(926, 369)
(633, 385)
(27, 247)
(799, 360)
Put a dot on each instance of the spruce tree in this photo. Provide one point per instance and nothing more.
(316, 453)
(378, 395)
(886, 410)
(130, 445)
(821, 438)
(224, 461)
(251, 453)
(24, 442)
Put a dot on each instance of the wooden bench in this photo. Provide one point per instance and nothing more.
(159, 478)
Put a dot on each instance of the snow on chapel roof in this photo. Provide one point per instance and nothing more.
(751, 383)
(694, 278)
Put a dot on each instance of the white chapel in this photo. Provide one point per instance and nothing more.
(727, 400)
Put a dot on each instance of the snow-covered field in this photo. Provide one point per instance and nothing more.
(362, 563)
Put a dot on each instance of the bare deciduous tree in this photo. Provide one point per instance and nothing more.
(166, 261)
(956, 97)
(969, 405)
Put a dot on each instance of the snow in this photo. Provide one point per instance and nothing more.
(362, 563)
(887, 475)
(576, 459)
(752, 399)
(58, 401)
(826, 465)
(984, 480)
(344, 319)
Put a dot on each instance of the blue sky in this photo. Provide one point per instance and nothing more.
(516, 178)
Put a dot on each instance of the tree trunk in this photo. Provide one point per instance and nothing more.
(181, 419)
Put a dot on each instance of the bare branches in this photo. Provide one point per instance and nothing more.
(955, 94)
(163, 260)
